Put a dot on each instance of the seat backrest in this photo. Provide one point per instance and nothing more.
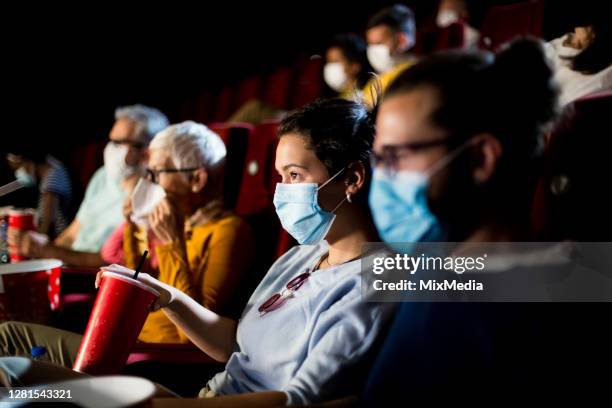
(202, 106)
(502, 23)
(255, 193)
(432, 38)
(83, 162)
(248, 89)
(223, 105)
(452, 36)
(572, 200)
(309, 82)
(277, 87)
(236, 138)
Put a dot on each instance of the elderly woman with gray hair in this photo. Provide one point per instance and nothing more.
(201, 248)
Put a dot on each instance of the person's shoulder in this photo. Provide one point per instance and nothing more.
(393, 73)
(98, 179)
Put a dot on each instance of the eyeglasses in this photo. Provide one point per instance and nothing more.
(392, 154)
(153, 174)
(279, 298)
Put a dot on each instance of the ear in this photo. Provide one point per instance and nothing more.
(146, 153)
(404, 42)
(355, 178)
(487, 152)
(199, 178)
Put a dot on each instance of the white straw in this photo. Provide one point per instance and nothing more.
(10, 187)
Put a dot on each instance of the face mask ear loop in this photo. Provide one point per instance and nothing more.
(436, 167)
(330, 179)
(338, 206)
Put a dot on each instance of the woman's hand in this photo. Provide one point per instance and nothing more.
(166, 292)
(166, 222)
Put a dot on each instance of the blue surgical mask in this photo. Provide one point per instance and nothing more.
(25, 178)
(400, 210)
(299, 212)
(399, 206)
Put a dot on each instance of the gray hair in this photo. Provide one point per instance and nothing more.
(190, 144)
(150, 120)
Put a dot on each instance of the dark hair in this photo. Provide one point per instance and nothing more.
(596, 56)
(398, 18)
(510, 95)
(339, 131)
(36, 152)
(354, 49)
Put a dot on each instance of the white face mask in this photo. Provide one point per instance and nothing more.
(380, 58)
(145, 197)
(335, 76)
(446, 18)
(558, 54)
(114, 162)
(564, 51)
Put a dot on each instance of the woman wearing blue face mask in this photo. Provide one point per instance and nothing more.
(306, 331)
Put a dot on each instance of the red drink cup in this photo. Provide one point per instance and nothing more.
(20, 220)
(120, 310)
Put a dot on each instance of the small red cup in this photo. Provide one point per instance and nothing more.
(120, 311)
(20, 220)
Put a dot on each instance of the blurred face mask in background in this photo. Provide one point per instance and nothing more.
(335, 76)
(446, 18)
(114, 162)
(380, 57)
(25, 178)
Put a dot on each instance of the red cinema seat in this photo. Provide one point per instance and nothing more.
(236, 138)
(255, 192)
(502, 23)
(248, 90)
(309, 82)
(452, 36)
(223, 105)
(572, 200)
(277, 86)
(84, 160)
(202, 108)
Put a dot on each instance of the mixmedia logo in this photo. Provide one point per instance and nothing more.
(413, 264)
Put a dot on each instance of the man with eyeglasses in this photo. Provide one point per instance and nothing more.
(101, 209)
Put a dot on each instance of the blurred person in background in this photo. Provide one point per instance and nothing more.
(455, 11)
(100, 211)
(347, 68)
(35, 168)
(391, 34)
(582, 59)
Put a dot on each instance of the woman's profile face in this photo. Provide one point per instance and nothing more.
(173, 183)
(296, 163)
